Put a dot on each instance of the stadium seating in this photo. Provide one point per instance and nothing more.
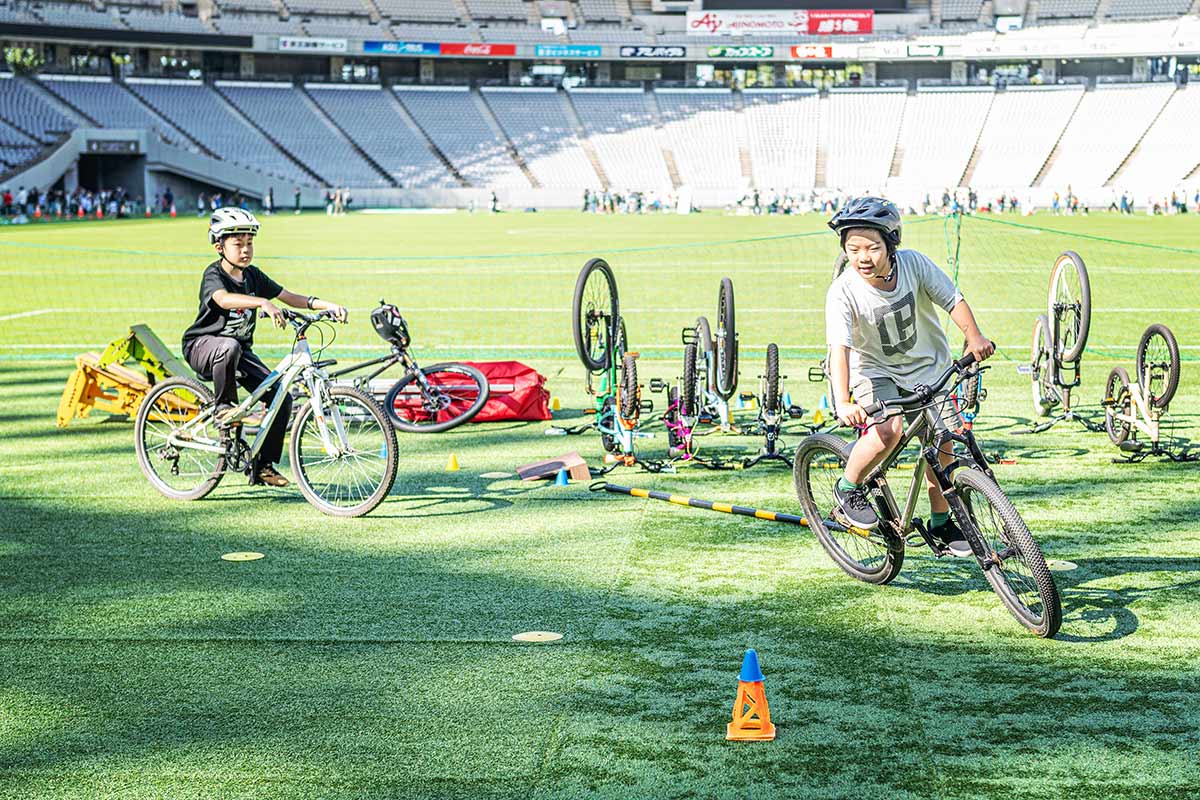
(1147, 9)
(141, 19)
(77, 15)
(536, 123)
(15, 147)
(418, 10)
(704, 135)
(621, 127)
(498, 9)
(346, 27)
(961, 9)
(1011, 149)
(1107, 124)
(1170, 150)
(501, 32)
(285, 114)
(600, 10)
(111, 106)
(453, 121)
(238, 24)
(1068, 9)
(781, 128)
(207, 118)
(373, 120)
(859, 132)
(18, 13)
(938, 135)
(21, 106)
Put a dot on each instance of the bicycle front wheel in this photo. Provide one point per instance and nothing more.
(594, 313)
(872, 557)
(1019, 575)
(165, 425)
(1117, 400)
(726, 342)
(771, 396)
(1158, 365)
(436, 398)
(1071, 302)
(356, 474)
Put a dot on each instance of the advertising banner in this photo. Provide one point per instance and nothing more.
(836, 51)
(924, 51)
(473, 49)
(567, 51)
(402, 48)
(309, 45)
(746, 23)
(653, 51)
(741, 51)
(821, 23)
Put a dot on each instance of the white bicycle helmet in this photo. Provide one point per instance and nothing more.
(230, 220)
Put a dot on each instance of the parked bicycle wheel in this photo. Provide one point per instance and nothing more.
(353, 482)
(180, 473)
(608, 417)
(630, 402)
(1071, 303)
(1020, 578)
(689, 405)
(1045, 393)
(594, 314)
(1117, 400)
(704, 351)
(437, 398)
(726, 342)
(875, 557)
(1158, 365)
(771, 395)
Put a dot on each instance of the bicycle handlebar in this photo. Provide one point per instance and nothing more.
(300, 321)
(923, 394)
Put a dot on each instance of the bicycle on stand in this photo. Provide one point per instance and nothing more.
(1133, 406)
(424, 399)
(1011, 561)
(343, 447)
(773, 407)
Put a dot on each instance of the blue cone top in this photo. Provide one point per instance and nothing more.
(751, 672)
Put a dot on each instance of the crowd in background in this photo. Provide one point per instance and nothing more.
(31, 203)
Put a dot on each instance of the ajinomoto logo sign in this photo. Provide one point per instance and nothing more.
(741, 51)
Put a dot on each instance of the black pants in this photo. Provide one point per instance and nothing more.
(224, 361)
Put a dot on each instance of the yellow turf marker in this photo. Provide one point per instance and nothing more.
(764, 514)
(537, 636)
(639, 493)
(723, 507)
(679, 500)
(242, 556)
(693, 502)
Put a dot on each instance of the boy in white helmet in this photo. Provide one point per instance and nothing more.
(884, 339)
(219, 344)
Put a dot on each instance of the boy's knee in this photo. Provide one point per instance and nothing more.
(229, 350)
(890, 430)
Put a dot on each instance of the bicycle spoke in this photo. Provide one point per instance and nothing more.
(1010, 560)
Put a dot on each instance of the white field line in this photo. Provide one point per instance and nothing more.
(21, 314)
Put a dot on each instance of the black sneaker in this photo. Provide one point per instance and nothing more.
(853, 509)
(951, 538)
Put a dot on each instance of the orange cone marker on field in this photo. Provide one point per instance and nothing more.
(751, 717)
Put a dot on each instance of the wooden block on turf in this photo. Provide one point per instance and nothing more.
(572, 462)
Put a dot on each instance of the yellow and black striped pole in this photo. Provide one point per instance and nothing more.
(726, 508)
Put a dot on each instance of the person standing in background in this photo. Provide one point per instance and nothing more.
(296, 199)
(269, 201)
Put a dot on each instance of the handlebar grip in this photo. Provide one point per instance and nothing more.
(965, 361)
(873, 409)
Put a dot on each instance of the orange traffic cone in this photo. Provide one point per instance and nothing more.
(37, 212)
(147, 212)
(751, 717)
(172, 211)
(80, 214)
(99, 212)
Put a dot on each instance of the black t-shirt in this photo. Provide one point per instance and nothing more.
(212, 320)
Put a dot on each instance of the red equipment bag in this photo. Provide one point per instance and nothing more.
(516, 392)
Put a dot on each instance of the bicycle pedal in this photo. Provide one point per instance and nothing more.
(657, 385)
(816, 375)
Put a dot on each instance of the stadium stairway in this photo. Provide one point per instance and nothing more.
(822, 155)
(1053, 154)
(744, 157)
(232, 108)
(584, 142)
(969, 170)
(667, 153)
(1102, 8)
(336, 130)
(416, 128)
(494, 125)
(1112, 179)
(155, 113)
(57, 103)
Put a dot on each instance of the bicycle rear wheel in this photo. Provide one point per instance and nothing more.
(1117, 400)
(1158, 365)
(1045, 394)
(771, 395)
(704, 345)
(175, 470)
(437, 398)
(594, 314)
(1071, 301)
(354, 481)
(630, 402)
(874, 557)
(726, 342)
(688, 405)
(1020, 577)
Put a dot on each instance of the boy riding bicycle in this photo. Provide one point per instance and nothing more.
(219, 344)
(884, 339)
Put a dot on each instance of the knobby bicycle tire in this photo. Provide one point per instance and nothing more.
(1159, 396)
(1117, 400)
(726, 342)
(771, 381)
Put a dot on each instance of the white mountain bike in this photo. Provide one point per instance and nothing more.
(343, 448)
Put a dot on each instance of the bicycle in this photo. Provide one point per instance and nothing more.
(772, 409)
(1059, 338)
(343, 448)
(424, 399)
(1012, 562)
(600, 341)
(1133, 406)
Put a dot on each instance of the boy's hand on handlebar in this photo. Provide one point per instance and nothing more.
(269, 309)
(981, 347)
(851, 414)
(340, 313)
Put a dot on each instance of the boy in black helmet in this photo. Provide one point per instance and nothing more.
(218, 345)
(884, 338)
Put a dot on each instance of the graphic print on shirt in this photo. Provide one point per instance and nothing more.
(239, 324)
(898, 326)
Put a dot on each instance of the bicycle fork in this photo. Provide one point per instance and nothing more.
(318, 392)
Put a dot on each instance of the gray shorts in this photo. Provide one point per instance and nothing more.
(872, 390)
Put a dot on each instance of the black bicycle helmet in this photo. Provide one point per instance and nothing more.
(869, 212)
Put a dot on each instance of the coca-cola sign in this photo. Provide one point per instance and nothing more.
(475, 49)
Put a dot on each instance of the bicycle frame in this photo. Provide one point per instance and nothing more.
(610, 421)
(1145, 417)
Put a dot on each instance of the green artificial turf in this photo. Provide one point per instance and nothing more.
(373, 658)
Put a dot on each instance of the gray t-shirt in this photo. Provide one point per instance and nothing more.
(896, 334)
